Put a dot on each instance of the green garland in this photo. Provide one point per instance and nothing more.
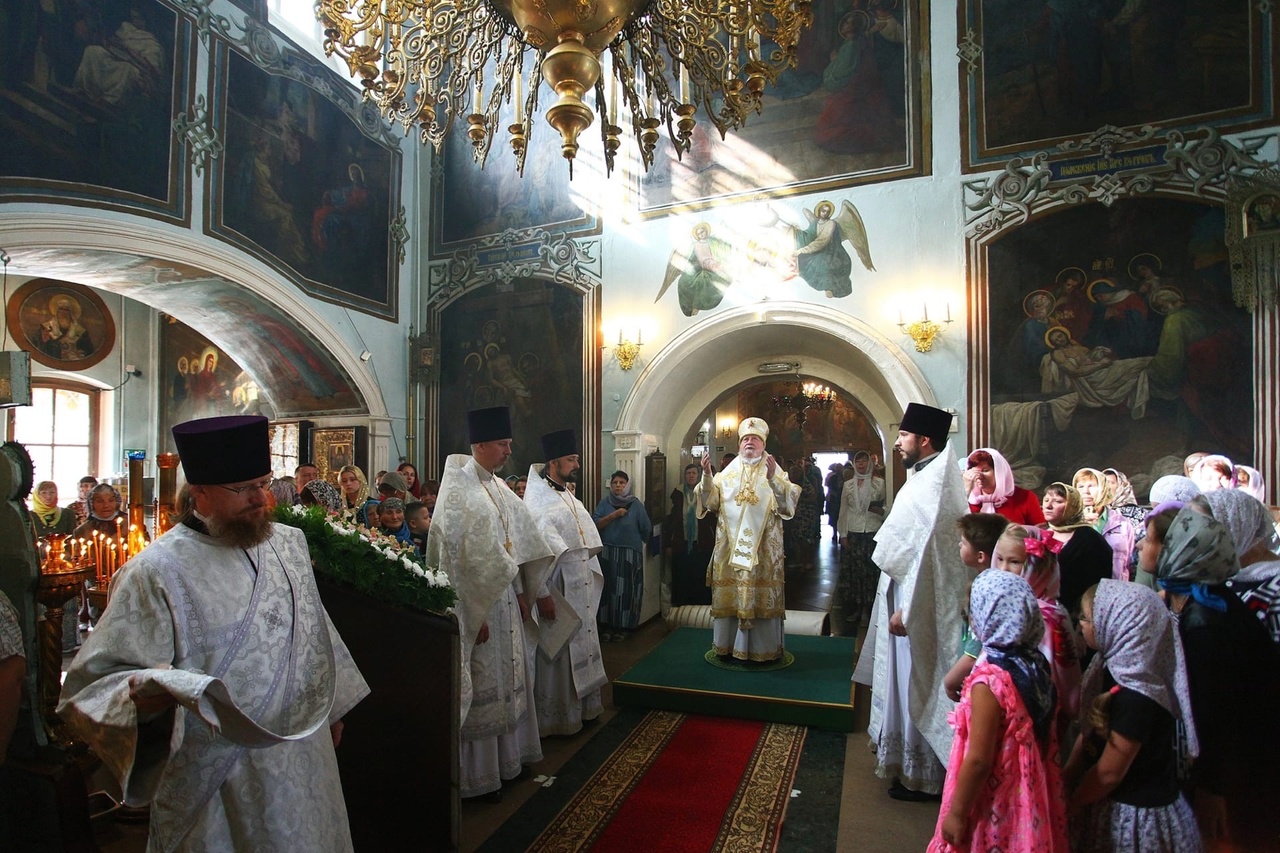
(379, 567)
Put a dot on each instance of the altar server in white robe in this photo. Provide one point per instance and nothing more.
(488, 543)
(214, 685)
(567, 688)
(918, 611)
(753, 497)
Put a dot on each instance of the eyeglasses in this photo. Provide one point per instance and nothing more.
(240, 490)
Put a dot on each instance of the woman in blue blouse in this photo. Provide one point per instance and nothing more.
(624, 526)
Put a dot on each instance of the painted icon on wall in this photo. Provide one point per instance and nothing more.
(62, 324)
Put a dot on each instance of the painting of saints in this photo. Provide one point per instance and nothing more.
(1119, 320)
(702, 275)
(130, 62)
(1263, 214)
(864, 110)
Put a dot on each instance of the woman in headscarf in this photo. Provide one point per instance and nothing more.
(689, 542)
(800, 538)
(1258, 581)
(1095, 494)
(284, 491)
(106, 508)
(1232, 672)
(1214, 472)
(988, 479)
(1123, 499)
(46, 516)
(1003, 789)
(1123, 768)
(861, 514)
(624, 528)
(1250, 481)
(355, 495)
(322, 493)
(1085, 558)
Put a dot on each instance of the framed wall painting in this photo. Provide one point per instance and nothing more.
(63, 325)
(199, 379)
(88, 92)
(527, 345)
(309, 181)
(1036, 77)
(334, 447)
(1110, 338)
(854, 110)
(470, 203)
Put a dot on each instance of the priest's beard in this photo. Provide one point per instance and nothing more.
(243, 531)
(750, 457)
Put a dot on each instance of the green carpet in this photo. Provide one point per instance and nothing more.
(814, 691)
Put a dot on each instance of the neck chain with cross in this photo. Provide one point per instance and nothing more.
(501, 517)
(573, 511)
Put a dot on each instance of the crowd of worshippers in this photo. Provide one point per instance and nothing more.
(1080, 672)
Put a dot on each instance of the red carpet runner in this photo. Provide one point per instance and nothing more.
(684, 784)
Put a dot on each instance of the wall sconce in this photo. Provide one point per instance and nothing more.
(923, 331)
(626, 352)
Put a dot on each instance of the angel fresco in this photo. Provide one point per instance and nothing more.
(821, 258)
(702, 275)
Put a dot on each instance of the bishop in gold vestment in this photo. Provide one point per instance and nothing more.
(753, 497)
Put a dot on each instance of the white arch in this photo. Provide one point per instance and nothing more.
(700, 363)
(36, 238)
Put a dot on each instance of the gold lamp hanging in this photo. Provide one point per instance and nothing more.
(427, 63)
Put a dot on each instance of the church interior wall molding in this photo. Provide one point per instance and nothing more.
(148, 262)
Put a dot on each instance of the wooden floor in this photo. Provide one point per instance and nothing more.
(870, 822)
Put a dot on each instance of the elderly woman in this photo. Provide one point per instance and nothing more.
(1231, 671)
(106, 508)
(624, 526)
(1251, 482)
(46, 516)
(989, 481)
(1085, 557)
(1095, 494)
(284, 491)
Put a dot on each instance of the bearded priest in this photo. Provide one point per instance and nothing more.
(753, 497)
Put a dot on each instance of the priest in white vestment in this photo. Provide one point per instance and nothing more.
(567, 687)
(486, 540)
(753, 497)
(918, 611)
(214, 685)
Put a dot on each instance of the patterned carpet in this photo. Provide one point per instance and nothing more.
(672, 783)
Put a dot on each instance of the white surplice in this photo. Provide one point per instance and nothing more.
(486, 540)
(567, 689)
(247, 761)
(748, 565)
(921, 575)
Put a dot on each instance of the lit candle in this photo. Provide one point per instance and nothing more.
(619, 336)
(639, 337)
(926, 312)
(948, 312)
(684, 83)
(901, 321)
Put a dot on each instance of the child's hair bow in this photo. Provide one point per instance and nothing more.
(1037, 547)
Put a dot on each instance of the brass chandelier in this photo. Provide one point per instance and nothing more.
(429, 63)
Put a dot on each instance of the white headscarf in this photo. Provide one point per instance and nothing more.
(1004, 482)
(1257, 485)
(1249, 522)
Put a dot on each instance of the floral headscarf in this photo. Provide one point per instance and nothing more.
(1005, 617)
(1250, 523)
(1173, 487)
(1124, 495)
(1073, 516)
(325, 494)
(105, 488)
(1138, 644)
(1004, 482)
(1251, 482)
(1197, 554)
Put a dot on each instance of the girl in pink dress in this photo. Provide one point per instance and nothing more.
(1033, 554)
(1003, 789)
